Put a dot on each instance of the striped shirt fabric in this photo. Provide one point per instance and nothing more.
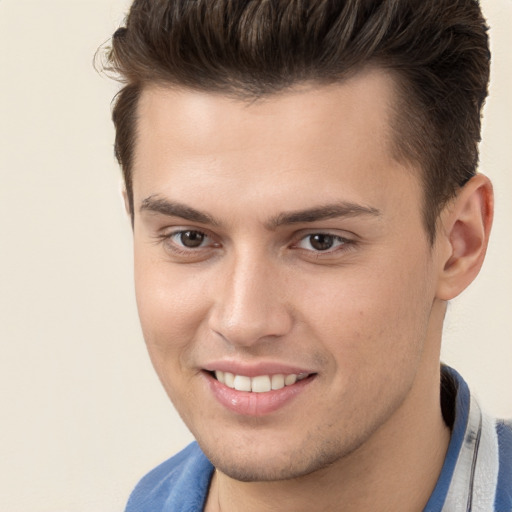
(477, 473)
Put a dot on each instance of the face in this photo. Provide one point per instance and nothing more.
(284, 279)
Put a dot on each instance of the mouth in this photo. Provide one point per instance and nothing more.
(258, 389)
(258, 383)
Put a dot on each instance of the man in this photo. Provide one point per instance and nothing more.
(301, 177)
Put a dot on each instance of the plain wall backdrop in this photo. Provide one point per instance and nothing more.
(83, 416)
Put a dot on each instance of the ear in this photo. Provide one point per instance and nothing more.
(124, 195)
(465, 226)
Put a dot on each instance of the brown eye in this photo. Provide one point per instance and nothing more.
(321, 242)
(191, 239)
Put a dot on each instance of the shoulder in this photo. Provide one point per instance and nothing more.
(182, 481)
(504, 483)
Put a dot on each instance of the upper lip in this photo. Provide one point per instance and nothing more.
(255, 369)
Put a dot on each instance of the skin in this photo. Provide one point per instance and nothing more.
(365, 315)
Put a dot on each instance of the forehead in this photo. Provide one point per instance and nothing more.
(202, 119)
(302, 139)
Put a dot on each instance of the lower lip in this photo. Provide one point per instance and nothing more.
(255, 404)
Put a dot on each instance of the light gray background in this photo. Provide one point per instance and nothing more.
(82, 414)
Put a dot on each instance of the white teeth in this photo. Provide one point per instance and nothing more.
(290, 379)
(229, 380)
(242, 383)
(259, 384)
(277, 381)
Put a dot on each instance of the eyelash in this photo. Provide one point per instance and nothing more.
(167, 240)
(344, 244)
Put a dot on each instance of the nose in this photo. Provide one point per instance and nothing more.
(250, 305)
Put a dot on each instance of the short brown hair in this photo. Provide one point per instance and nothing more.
(437, 50)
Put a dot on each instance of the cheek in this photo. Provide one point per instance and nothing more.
(375, 330)
(170, 316)
(373, 316)
(171, 309)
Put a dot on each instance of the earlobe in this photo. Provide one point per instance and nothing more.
(465, 228)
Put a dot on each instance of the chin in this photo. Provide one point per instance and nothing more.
(265, 471)
(266, 463)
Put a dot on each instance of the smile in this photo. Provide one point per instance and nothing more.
(259, 383)
(259, 394)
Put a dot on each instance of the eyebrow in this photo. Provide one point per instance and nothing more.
(324, 212)
(155, 204)
(163, 206)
